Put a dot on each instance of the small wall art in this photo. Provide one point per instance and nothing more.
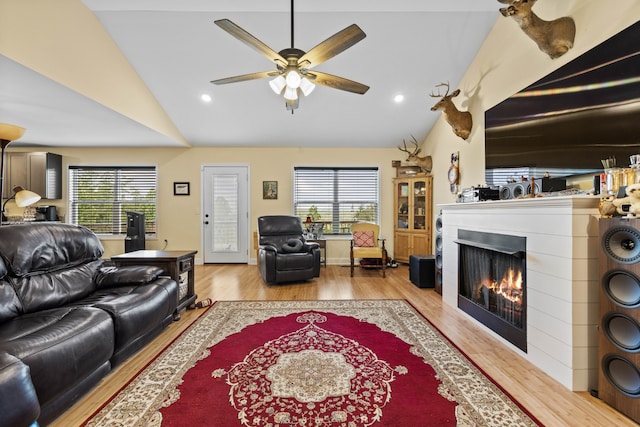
(270, 190)
(181, 189)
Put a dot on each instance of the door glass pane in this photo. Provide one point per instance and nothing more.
(225, 213)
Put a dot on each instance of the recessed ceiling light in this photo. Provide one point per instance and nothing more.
(398, 98)
(205, 97)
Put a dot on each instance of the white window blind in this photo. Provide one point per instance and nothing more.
(100, 196)
(337, 197)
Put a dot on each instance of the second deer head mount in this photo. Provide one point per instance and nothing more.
(554, 38)
(460, 121)
(425, 162)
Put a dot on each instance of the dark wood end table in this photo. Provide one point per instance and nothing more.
(179, 265)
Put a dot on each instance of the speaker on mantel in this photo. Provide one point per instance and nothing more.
(619, 331)
(438, 260)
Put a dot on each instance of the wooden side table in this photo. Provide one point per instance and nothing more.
(179, 265)
(323, 249)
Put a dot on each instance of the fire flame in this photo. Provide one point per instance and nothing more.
(509, 287)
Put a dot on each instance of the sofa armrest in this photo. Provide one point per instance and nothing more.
(108, 277)
(19, 404)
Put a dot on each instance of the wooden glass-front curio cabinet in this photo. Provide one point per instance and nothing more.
(413, 207)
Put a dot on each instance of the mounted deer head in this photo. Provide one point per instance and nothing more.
(460, 121)
(425, 162)
(554, 38)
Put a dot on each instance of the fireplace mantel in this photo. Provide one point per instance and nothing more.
(562, 276)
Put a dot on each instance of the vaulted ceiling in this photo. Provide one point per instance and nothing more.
(125, 73)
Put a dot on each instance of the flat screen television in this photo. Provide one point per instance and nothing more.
(135, 239)
(568, 121)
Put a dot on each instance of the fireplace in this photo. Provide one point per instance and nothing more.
(492, 282)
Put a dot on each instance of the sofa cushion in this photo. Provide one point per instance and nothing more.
(46, 247)
(3, 269)
(108, 277)
(136, 310)
(18, 401)
(61, 346)
(10, 305)
(55, 289)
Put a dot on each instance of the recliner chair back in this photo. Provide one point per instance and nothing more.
(276, 230)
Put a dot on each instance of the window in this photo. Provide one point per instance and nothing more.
(337, 197)
(99, 197)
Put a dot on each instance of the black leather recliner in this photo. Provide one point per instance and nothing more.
(284, 255)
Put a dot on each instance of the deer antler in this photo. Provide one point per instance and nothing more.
(433, 95)
(406, 150)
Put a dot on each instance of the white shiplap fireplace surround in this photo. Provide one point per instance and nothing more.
(562, 250)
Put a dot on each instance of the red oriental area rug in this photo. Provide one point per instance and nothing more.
(311, 363)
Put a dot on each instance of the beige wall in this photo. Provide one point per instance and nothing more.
(179, 220)
(507, 62)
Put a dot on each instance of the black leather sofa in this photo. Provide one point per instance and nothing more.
(284, 255)
(66, 320)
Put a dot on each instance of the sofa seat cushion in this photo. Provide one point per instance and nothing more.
(61, 346)
(136, 310)
(295, 261)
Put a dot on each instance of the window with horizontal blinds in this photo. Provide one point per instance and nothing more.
(100, 196)
(336, 196)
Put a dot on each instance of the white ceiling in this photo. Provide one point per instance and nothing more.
(176, 49)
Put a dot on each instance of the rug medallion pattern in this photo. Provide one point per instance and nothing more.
(310, 377)
(313, 376)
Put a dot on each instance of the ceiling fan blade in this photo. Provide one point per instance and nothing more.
(251, 41)
(336, 82)
(245, 77)
(339, 42)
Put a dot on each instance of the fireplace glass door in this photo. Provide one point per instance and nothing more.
(491, 282)
(494, 281)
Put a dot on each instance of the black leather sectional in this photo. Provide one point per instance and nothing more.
(66, 320)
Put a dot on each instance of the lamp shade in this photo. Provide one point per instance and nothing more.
(290, 93)
(278, 84)
(306, 86)
(10, 132)
(25, 197)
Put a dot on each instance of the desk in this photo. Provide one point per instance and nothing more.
(323, 249)
(176, 264)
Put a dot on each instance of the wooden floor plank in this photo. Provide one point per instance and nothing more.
(544, 397)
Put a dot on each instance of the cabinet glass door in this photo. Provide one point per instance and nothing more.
(403, 205)
(419, 205)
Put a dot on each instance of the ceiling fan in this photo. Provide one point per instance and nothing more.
(293, 74)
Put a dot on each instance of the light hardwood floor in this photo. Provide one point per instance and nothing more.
(545, 398)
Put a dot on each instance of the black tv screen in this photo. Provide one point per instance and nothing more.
(585, 111)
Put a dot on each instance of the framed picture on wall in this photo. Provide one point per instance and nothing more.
(270, 189)
(181, 189)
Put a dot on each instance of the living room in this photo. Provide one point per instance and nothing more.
(506, 62)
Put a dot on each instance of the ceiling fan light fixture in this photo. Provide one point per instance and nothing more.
(278, 84)
(293, 79)
(291, 93)
(306, 86)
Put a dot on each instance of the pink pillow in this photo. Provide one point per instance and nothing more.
(363, 239)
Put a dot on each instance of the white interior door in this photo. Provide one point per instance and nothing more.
(225, 214)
